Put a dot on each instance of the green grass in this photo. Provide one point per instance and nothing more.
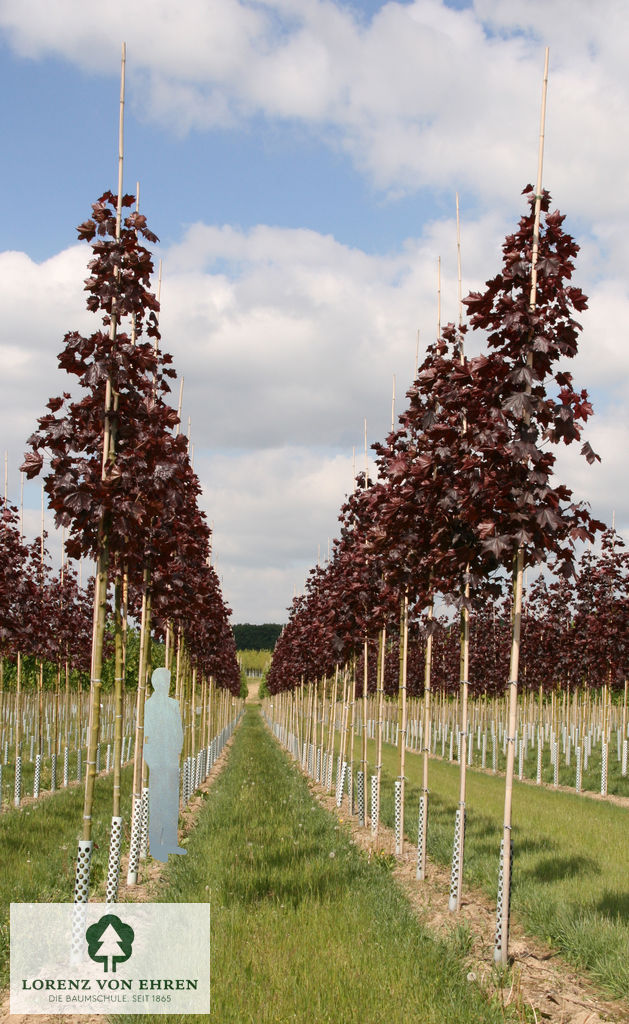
(590, 779)
(38, 844)
(571, 858)
(28, 775)
(304, 929)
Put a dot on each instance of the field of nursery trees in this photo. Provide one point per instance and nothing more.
(416, 807)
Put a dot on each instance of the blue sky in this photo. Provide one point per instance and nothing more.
(280, 173)
(299, 161)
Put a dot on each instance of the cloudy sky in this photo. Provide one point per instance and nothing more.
(299, 160)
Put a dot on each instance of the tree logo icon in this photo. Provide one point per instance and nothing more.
(109, 942)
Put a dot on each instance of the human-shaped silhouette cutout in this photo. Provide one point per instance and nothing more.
(163, 740)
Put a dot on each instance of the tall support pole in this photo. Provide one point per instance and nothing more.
(331, 730)
(352, 733)
(399, 789)
(375, 786)
(17, 795)
(458, 852)
(82, 878)
(456, 877)
(362, 803)
(136, 811)
(342, 763)
(501, 949)
(115, 837)
(423, 799)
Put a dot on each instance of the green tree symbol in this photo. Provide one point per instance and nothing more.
(109, 941)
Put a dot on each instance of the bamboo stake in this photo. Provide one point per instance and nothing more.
(501, 950)
(18, 732)
(178, 665)
(113, 869)
(118, 707)
(17, 793)
(331, 725)
(438, 298)
(82, 879)
(40, 678)
(210, 716)
(343, 737)
(352, 726)
(393, 404)
(381, 661)
(456, 883)
(134, 854)
(364, 737)
(416, 366)
(423, 806)
(178, 428)
(402, 715)
(203, 724)
(363, 795)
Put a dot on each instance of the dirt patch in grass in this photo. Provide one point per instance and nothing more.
(538, 977)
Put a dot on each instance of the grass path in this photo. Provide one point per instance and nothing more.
(304, 929)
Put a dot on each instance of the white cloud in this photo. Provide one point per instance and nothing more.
(603, 360)
(604, 484)
(273, 512)
(284, 338)
(287, 340)
(40, 302)
(419, 95)
(296, 330)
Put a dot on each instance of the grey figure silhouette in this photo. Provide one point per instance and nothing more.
(163, 740)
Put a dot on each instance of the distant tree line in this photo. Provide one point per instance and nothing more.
(257, 638)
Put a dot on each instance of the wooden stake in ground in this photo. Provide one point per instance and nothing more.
(331, 730)
(362, 775)
(501, 949)
(113, 869)
(84, 857)
(376, 779)
(138, 759)
(423, 799)
(458, 855)
(399, 785)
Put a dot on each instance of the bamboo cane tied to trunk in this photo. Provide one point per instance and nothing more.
(421, 860)
(365, 683)
(382, 646)
(18, 728)
(118, 702)
(95, 686)
(102, 565)
(138, 753)
(455, 896)
(501, 952)
(332, 721)
(352, 733)
(402, 709)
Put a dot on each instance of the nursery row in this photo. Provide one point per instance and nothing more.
(559, 836)
(465, 502)
(119, 479)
